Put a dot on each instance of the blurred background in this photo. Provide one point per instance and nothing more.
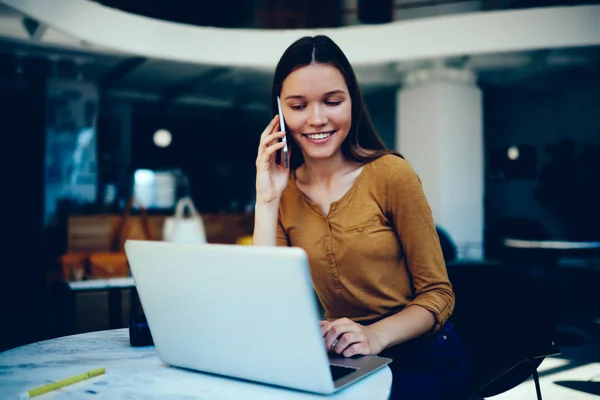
(495, 103)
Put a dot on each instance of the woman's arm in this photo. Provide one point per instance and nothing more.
(271, 180)
(265, 224)
(408, 324)
(433, 300)
(349, 338)
(413, 221)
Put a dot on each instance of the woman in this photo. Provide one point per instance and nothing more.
(359, 212)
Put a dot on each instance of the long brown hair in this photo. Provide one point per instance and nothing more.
(363, 143)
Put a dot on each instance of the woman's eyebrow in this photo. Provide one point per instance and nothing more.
(331, 92)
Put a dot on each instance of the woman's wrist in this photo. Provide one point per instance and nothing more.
(381, 336)
(267, 206)
(408, 324)
(265, 223)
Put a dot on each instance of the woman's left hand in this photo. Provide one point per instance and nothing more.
(346, 337)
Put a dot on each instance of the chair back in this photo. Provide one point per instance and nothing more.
(502, 318)
(447, 244)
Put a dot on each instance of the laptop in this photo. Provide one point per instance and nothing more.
(247, 312)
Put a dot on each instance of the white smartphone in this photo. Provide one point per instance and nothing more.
(284, 154)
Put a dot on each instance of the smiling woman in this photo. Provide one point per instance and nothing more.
(359, 212)
(318, 114)
(321, 96)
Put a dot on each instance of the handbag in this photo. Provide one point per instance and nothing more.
(177, 229)
(114, 264)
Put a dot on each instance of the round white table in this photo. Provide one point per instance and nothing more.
(550, 251)
(138, 373)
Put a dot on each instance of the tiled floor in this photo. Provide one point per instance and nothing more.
(575, 373)
(578, 367)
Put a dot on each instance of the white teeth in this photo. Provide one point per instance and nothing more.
(319, 135)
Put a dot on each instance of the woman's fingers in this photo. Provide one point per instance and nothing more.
(336, 333)
(270, 127)
(272, 149)
(268, 142)
(327, 325)
(347, 340)
(263, 142)
(273, 127)
(356, 348)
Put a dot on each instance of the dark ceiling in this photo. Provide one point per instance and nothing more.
(236, 13)
(264, 14)
(295, 14)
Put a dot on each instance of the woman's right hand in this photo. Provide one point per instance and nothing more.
(271, 178)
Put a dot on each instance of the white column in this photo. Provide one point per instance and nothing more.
(439, 130)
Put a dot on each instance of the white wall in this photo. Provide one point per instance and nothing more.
(447, 36)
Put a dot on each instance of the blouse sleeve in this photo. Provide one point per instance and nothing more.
(413, 222)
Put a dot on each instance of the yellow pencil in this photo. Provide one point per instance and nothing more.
(62, 383)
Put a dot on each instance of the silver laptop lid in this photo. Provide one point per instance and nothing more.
(243, 311)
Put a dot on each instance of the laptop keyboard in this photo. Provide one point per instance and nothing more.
(338, 372)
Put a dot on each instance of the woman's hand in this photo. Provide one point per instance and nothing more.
(271, 178)
(346, 337)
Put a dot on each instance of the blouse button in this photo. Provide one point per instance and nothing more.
(331, 261)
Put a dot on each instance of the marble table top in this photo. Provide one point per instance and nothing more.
(138, 373)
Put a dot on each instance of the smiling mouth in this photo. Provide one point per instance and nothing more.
(319, 136)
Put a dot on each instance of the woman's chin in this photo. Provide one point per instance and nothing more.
(320, 155)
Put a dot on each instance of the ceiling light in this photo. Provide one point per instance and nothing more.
(162, 138)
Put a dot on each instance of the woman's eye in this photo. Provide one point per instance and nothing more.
(297, 107)
(333, 103)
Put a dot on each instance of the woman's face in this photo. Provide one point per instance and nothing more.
(317, 109)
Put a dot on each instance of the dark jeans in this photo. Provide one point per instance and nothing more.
(433, 367)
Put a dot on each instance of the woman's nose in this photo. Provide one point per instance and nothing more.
(317, 116)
